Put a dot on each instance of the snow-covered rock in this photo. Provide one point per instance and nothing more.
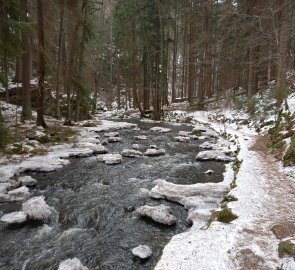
(131, 153)
(4, 198)
(160, 213)
(207, 146)
(152, 152)
(182, 139)
(72, 264)
(112, 159)
(95, 148)
(160, 129)
(14, 218)
(199, 128)
(112, 134)
(135, 146)
(209, 172)
(140, 137)
(142, 251)
(184, 133)
(213, 155)
(114, 139)
(19, 194)
(36, 208)
(27, 181)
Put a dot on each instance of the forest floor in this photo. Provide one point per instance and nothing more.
(263, 235)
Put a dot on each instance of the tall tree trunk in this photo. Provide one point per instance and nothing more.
(40, 98)
(59, 57)
(26, 92)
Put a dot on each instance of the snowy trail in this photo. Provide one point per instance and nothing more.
(265, 198)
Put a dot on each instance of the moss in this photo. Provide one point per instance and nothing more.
(5, 136)
(42, 139)
(197, 133)
(289, 157)
(228, 198)
(286, 248)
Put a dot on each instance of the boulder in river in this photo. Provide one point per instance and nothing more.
(154, 152)
(135, 146)
(36, 208)
(182, 139)
(209, 172)
(207, 146)
(72, 264)
(111, 134)
(14, 218)
(4, 198)
(140, 137)
(19, 194)
(112, 159)
(213, 155)
(114, 139)
(142, 251)
(131, 153)
(27, 181)
(160, 213)
(160, 129)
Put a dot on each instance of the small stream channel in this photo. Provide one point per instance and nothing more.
(93, 217)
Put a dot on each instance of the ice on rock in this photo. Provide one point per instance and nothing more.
(112, 159)
(27, 181)
(72, 264)
(160, 129)
(19, 194)
(142, 251)
(36, 208)
(131, 153)
(14, 218)
(160, 213)
(152, 152)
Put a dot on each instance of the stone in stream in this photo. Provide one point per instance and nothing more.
(213, 155)
(112, 159)
(95, 148)
(36, 208)
(14, 218)
(135, 146)
(140, 137)
(142, 251)
(27, 181)
(72, 264)
(209, 172)
(160, 213)
(131, 153)
(207, 146)
(184, 133)
(19, 194)
(182, 139)
(111, 134)
(4, 198)
(160, 129)
(154, 152)
(114, 139)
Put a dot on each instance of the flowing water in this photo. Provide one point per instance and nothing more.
(93, 217)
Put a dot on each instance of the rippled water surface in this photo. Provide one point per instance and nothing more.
(93, 217)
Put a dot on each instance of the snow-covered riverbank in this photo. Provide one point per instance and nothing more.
(265, 199)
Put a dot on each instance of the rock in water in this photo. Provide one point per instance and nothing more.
(154, 152)
(14, 218)
(19, 194)
(135, 146)
(36, 208)
(112, 159)
(160, 129)
(111, 134)
(131, 153)
(27, 181)
(72, 264)
(142, 251)
(140, 137)
(160, 213)
(114, 139)
(209, 172)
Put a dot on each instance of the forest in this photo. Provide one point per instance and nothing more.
(147, 134)
(141, 54)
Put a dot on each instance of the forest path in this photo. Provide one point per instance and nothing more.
(258, 247)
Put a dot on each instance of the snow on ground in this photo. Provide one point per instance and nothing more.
(58, 155)
(265, 198)
(291, 102)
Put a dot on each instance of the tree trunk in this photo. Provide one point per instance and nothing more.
(26, 107)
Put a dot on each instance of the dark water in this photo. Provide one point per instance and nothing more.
(92, 217)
